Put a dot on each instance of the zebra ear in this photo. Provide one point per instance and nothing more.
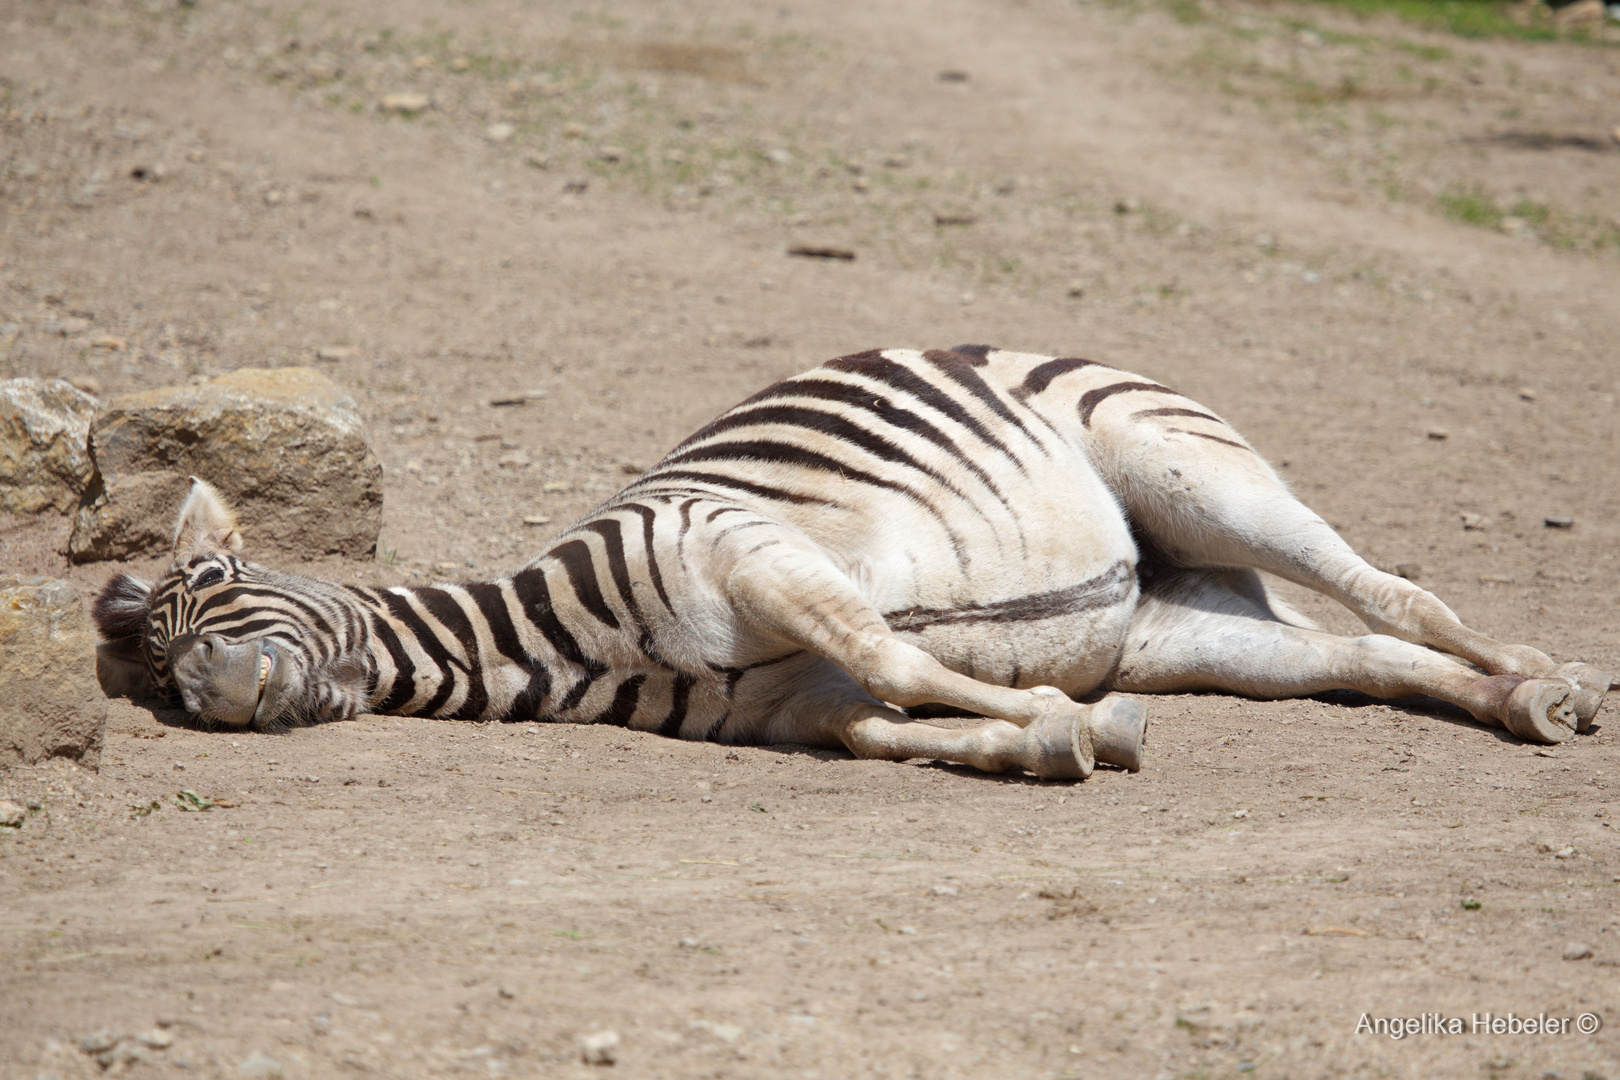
(207, 523)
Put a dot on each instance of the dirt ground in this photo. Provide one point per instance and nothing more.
(1390, 257)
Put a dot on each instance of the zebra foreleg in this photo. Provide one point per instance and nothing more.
(1215, 630)
(791, 592)
(1056, 747)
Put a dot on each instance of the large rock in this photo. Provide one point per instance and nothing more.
(50, 702)
(285, 447)
(44, 453)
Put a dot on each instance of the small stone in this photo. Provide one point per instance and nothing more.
(1438, 434)
(556, 487)
(536, 160)
(780, 156)
(157, 1039)
(599, 1048)
(1077, 290)
(537, 519)
(1411, 571)
(943, 890)
(12, 815)
(98, 1042)
(501, 132)
(1576, 951)
(1472, 522)
(109, 342)
(1526, 394)
(1495, 579)
(1240, 814)
(333, 353)
(517, 459)
(407, 103)
(689, 943)
(1564, 853)
(506, 991)
(258, 1065)
(574, 130)
(1559, 522)
(610, 154)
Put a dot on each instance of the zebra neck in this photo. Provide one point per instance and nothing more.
(482, 651)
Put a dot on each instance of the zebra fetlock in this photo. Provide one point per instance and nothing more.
(891, 536)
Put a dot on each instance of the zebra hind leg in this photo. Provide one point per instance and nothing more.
(1220, 630)
(1212, 502)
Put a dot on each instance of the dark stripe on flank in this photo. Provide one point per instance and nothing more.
(575, 556)
(859, 397)
(532, 593)
(680, 693)
(613, 541)
(962, 373)
(491, 602)
(1211, 438)
(1041, 375)
(764, 491)
(833, 426)
(623, 709)
(884, 370)
(1194, 413)
(1105, 590)
(647, 515)
(781, 453)
(1092, 398)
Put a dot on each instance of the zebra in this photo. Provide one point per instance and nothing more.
(891, 538)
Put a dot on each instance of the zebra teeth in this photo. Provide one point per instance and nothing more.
(264, 671)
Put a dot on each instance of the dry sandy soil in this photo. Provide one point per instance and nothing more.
(1267, 207)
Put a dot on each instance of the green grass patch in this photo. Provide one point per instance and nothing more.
(1471, 207)
(1464, 18)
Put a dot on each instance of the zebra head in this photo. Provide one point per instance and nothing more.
(238, 644)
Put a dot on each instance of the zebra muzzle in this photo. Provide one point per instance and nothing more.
(223, 682)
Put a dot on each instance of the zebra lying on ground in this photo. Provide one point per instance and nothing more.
(964, 532)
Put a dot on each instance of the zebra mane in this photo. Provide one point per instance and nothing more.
(121, 608)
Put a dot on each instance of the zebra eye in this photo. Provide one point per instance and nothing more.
(211, 576)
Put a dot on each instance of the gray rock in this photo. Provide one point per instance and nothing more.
(284, 446)
(50, 702)
(44, 445)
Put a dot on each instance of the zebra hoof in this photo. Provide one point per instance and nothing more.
(1063, 748)
(1590, 684)
(1118, 732)
(1540, 710)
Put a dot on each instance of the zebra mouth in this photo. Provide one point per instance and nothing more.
(264, 671)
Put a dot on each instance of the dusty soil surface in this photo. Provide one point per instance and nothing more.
(1389, 257)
